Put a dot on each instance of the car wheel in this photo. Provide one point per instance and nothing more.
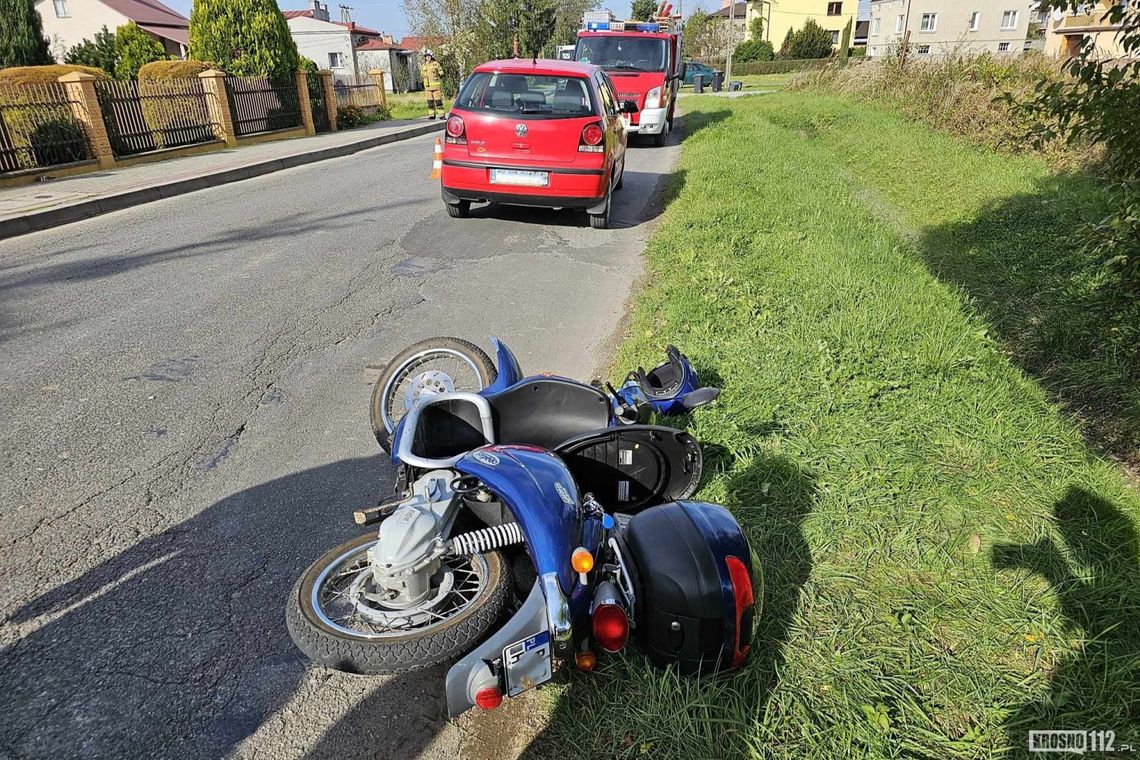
(621, 177)
(659, 138)
(458, 210)
(602, 220)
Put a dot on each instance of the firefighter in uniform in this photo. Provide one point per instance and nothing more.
(432, 74)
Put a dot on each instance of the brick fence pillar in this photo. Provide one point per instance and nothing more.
(378, 80)
(330, 96)
(84, 102)
(302, 78)
(214, 83)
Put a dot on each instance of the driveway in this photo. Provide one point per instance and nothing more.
(185, 428)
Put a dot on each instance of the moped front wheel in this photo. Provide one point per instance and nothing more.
(338, 618)
(435, 365)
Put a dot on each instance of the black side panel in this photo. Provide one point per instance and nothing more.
(546, 411)
(633, 467)
(448, 428)
(680, 608)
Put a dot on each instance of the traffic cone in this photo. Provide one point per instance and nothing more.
(437, 162)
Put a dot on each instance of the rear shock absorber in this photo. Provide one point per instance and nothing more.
(486, 539)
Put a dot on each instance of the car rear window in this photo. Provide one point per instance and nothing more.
(527, 95)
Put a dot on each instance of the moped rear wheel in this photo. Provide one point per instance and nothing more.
(435, 365)
(336, 617)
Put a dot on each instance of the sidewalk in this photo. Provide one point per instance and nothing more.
(56, 202)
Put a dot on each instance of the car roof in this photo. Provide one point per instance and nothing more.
(540, 66)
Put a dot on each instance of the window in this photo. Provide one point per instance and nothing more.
(929, 22)
(623, 53)
(876, 26)
(1009, 20)
(975, 17)
(835, 9)
(609, 99)
(923, 49)
(532, 96)
(61, 10)
(336, 60)
(834, 37)
(1003, 47)
(898, 24)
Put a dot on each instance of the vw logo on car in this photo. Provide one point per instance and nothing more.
(520, 130)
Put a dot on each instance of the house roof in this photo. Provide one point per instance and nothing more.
(352, 26)
(378, 45)
(419, 43)
(741, 11)
(148, 12)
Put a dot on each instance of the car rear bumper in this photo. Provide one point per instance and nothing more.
(569, 187)
(650, 121)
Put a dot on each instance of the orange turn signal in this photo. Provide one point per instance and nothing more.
(581, 560)
(586, 661)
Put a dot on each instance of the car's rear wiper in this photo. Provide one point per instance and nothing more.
(535, 110)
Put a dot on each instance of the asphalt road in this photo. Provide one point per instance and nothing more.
(185, 428)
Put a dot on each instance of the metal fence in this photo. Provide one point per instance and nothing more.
(38, 128)
(357, 90)
(149, 116)
(263, 105)
(318, 103)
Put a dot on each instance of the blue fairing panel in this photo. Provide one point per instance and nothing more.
(509, 371)
(540, 492)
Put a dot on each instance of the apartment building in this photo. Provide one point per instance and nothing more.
(940, 27)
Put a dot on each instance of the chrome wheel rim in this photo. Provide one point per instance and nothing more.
(346, 599)
(436, 370)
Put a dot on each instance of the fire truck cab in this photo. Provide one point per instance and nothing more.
(644, 62)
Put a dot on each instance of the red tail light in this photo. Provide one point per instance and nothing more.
(455, 131)
(611, 627)
(591, 141)
(489, 698)
(743, 601)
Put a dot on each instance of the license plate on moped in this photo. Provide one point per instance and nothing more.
(527, 663)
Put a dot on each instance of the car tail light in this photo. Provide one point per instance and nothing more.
(742, 601)
(591, 141)
(489, 698)
(456, 131)
(611, 627)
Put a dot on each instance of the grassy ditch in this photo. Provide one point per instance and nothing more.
(893, 316)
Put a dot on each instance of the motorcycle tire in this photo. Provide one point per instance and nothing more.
(382, 423)
(396, 653)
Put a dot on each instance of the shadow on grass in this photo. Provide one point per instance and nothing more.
(1058, 309)
(630, 709)
(1096, 575)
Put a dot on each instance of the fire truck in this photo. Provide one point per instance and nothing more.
(643, 60)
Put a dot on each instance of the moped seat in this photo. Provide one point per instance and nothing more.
(545, 411)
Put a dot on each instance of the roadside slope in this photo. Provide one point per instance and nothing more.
(947, 562)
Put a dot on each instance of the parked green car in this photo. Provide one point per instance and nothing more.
(693, 68)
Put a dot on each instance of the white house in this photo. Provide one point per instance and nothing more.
(69, 22)
(940, 27)
(349, 50)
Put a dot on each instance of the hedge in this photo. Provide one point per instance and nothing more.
(157, 71)
(46, 74)
(780, 66)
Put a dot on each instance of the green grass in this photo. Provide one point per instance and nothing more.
(948, 563)
(411, 105)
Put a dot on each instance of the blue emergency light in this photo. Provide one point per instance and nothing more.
(620, 26)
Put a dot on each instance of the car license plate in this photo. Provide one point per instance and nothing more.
(527, 663)
(520, 177)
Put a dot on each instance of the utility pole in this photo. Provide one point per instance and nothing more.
(731, 40)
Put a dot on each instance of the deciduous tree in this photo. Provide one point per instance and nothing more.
(643, 10)
(135, 49)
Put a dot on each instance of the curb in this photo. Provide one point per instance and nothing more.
(61, 215)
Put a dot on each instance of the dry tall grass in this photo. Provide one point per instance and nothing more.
(969, 96)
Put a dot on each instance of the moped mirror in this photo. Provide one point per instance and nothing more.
(699, 397)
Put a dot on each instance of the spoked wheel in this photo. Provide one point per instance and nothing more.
(435, 365)
(339, 617)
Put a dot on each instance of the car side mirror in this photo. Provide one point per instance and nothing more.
(684, 71)
(629, 106)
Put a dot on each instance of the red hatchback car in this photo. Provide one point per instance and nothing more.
(535, 133)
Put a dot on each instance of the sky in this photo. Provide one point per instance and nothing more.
(388, 15)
